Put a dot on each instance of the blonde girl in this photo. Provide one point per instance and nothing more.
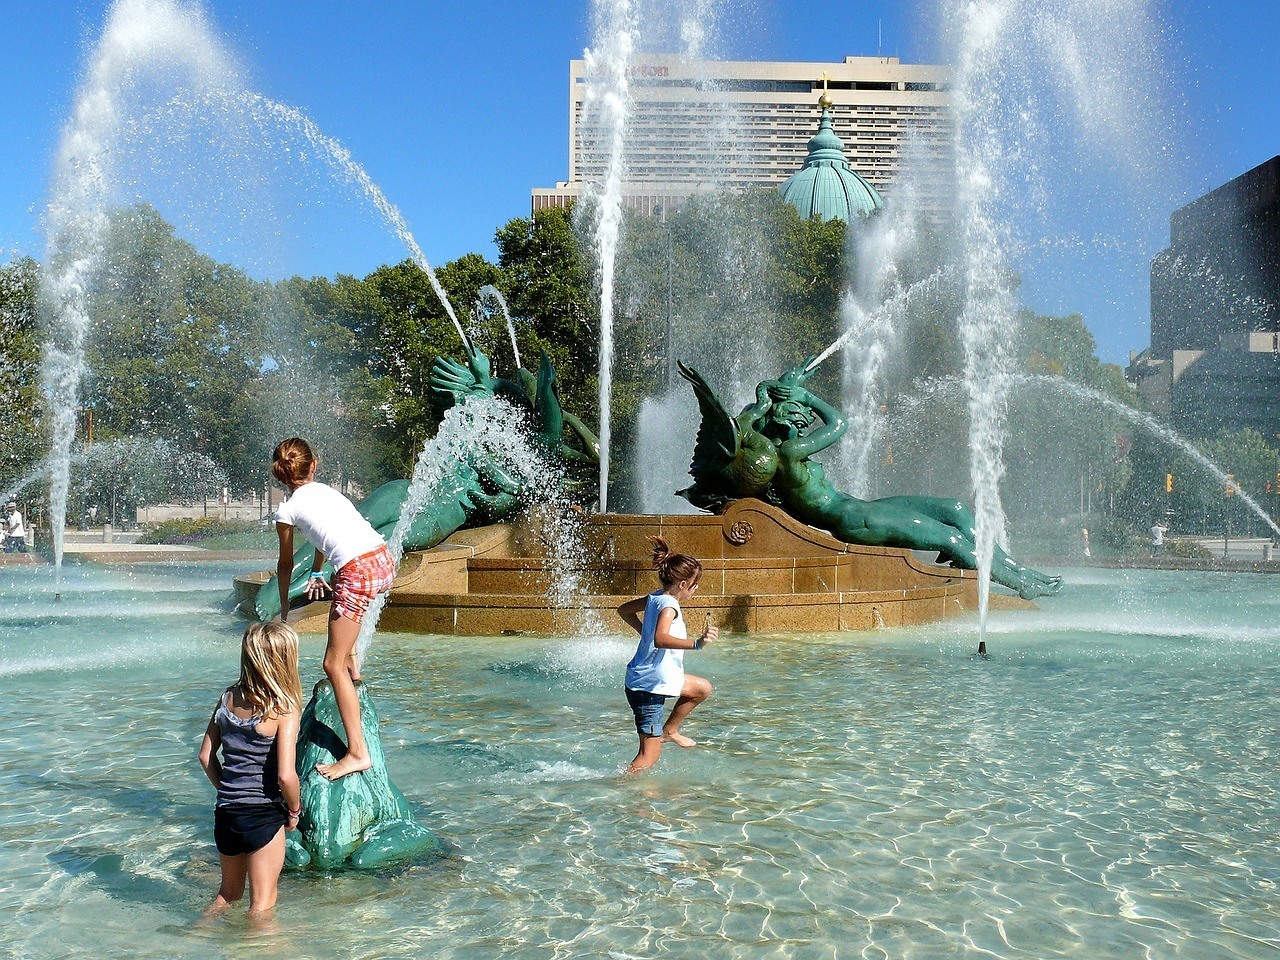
(364, 568)
(656, 672)
(255, 729)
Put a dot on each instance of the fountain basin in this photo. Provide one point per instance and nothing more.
(763, 572)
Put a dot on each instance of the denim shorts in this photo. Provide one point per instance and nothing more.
(648, 708)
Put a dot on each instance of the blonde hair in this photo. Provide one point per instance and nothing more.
(269, 678)
(673, 567)
(291, 461)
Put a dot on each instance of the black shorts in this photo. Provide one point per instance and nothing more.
(244, 829)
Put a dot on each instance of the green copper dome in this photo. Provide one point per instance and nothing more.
(827, 187)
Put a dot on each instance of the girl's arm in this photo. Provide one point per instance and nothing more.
(284, 567)
(209, 753)
(286, 763)
(632, 613)
(663, 640)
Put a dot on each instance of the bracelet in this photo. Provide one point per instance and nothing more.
(699, 643)
(317, 575)
(293, 814)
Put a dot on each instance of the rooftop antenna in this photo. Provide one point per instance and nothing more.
(880, 41)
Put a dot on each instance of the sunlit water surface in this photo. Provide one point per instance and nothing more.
(1103, 786)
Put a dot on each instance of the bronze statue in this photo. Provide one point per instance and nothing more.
(361, 821)
(765, 452)
(475, 491)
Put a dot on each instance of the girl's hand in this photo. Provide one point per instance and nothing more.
(712, 633)
(292, 817)
(317, 589)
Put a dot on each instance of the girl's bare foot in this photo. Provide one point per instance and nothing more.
(214, 910)
(679, 739)
(341, 768)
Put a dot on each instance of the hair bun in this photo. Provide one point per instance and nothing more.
(291, 461)
(660, 552)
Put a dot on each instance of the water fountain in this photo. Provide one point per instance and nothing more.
(508, 746)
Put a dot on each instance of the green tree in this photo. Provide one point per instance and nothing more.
(172, 352)
(546, 279)
(22, 436)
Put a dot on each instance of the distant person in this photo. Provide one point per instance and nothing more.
(255, 728)
(15, 531)
(364, 568)
(1158, 530)
(656, 672)
(93, 514)
(1084, 532)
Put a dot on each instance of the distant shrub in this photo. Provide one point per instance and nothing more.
(1116, 538)
(187, 530)
(1186, 547)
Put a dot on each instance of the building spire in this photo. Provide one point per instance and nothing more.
(825, 101)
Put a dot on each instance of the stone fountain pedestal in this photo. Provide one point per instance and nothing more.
(763, 572)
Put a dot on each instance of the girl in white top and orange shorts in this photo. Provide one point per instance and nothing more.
(365, 569)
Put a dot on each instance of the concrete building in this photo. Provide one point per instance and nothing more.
(1214, 360)
(703, 125)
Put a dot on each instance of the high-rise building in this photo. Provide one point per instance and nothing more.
(702, 125)
(1214, 360)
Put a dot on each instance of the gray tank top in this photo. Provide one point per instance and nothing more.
(249, 766)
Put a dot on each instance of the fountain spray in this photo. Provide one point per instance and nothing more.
(340, 157)
(143, 41)
(605, 107)
(489, 293)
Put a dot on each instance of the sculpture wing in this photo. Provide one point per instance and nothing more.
(715, 449)
(718, 438)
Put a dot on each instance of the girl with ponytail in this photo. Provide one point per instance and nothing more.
(365, 569)
(656, 672)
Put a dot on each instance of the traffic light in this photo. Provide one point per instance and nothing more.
(1168, 483)
(1231, 485)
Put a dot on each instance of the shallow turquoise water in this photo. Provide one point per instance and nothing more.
(1103, 786)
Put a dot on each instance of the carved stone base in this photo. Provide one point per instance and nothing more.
(764, 573)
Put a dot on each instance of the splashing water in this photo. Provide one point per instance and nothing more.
(492, 430)
(1155, 427)
(469, 430)
(1004, 49)
(605, 106)
(144, 43)
(147, 47)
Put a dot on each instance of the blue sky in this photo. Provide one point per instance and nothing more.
(457, 109)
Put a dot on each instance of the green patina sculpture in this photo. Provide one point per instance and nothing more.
(766, 452)
(475, 491)
(360, 821)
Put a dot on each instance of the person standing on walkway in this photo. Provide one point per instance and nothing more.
(15, 531)
(1158, 530)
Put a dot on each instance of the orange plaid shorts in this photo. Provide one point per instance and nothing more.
(360, 580)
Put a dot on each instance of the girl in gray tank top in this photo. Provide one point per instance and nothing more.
(248, 754)
(250, 762)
